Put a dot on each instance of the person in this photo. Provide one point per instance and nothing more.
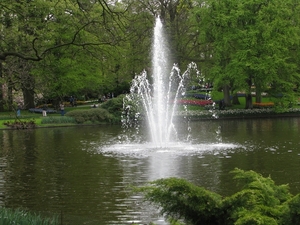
(45, 110)
(62, 108)
(222, 105)
(19, 110)
(72, 101)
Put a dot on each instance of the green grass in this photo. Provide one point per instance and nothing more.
(58, 120)
(22, 217)
(39, 120)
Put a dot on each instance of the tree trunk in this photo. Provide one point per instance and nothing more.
(28, 95)
(249, 104)
(258, 97)
(1, 90)
(226, 93)
(235, 100)
(10, 96)
(249, 101)
(28, 85)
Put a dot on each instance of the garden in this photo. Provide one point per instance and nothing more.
(193, 105)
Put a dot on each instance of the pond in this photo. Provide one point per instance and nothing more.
(83, 173)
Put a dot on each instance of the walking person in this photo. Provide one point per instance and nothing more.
(72, 101)
(19, 107)
(45, 110)
(62, 108)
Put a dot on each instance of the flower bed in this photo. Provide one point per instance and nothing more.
(236, 113)
(201, 96)
(263, 104)
(38, 110)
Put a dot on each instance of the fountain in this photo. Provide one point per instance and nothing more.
(157, 100)
(150, 111)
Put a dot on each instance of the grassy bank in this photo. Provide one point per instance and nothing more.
(22, 217)
(110, 112)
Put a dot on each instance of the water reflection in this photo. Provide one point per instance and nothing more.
(83, 174)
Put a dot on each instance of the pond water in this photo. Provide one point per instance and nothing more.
(83, 173)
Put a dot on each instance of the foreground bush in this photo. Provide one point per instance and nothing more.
(259, 202)
(93, 115)
(21, 217)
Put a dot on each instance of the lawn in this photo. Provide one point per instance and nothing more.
(55, 119)
(38, 118)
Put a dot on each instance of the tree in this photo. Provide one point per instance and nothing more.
(18, 80)
(34, 30)
(252, 41)
(259, 201)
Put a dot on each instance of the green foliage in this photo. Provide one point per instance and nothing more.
(20, 124)
(58, 120)
(217, 95)
(293, 215)
(259, 197)
(93, 115)
(259, 202)
(180, 199)
(67, 55)
(21, 217)
(114, 106)
(252, 44)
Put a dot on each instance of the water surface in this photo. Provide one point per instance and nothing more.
(83, 173)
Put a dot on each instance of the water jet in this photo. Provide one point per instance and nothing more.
(157, 100)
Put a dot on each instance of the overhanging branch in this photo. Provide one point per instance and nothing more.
(39, 57)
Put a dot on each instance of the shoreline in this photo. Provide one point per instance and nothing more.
(247, 116)
(189, 116)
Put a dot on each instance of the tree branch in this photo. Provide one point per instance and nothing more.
(39, 57)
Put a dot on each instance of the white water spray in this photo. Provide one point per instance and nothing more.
(158, 100)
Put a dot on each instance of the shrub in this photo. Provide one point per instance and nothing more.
(259, 201)
(58, 120)
(21, 124)
(93, 115)
(293, 214)
(114, 106)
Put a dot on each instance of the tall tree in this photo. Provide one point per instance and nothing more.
(251, 45)
(33, 30)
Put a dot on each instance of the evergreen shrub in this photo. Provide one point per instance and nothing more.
(58, 120)
(259, 202)
(93, 115)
